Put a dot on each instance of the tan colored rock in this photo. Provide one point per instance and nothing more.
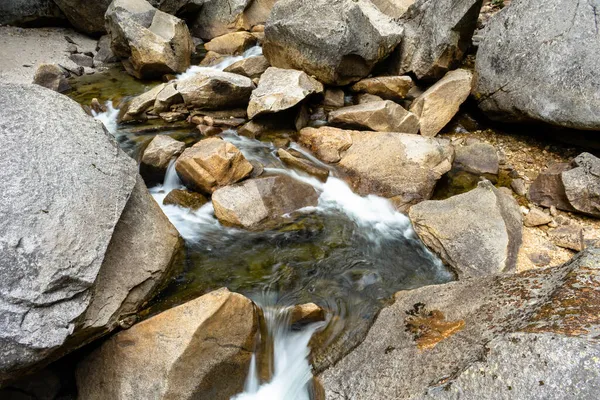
(212, 163)
(231, 43)
(536, 217)
(141, 103)
(185, 198)
(167, 97)
(393, 8)
(51, 76)
(326, 142)
(363, 98)
(252, 67)
(382, 116)
(302, 164)
(214, 90)
(261, 202)
(201, 348)
(211, 58)
(334, 98)
(280, 89)
(386, 87)
(161, 150)
(537, 251)
(438, 105)
(306, 314)
(568, 236)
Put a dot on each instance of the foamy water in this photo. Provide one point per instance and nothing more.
(109, 117)
(224, 63)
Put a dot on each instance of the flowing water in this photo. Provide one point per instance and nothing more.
(349, 254)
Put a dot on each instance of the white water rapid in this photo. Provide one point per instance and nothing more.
(224, 63)
(108, 117)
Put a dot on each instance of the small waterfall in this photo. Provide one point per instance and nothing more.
(224, 63)
(108, 117)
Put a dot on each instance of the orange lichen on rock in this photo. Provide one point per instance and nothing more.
(429, 327)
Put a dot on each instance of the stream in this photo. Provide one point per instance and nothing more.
(349, 255)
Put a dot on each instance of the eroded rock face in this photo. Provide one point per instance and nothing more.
(438, 104)
(544, 86)
(30, 13)
(212, 163)
(476, 233)
(280, 89)
(469, 338)
(341, 44)
(153, 42)
(381, 116)
(61, 204)
(436, 35)
(201, 348)
(387, 87)
(216, 90)
(262, 201)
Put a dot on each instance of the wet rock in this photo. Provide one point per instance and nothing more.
(478, 335)
(210, 342)
(30, 13)
(556, 35)
(185, 199)
(327, 143)
(104, 54)
(476, 233)
(536, 217)
(387, 87)
(140, 104)
(85, 16)
(393, 8)
(548, 190)
(82, 60)
(252, 67)
(231, 43)
(166, 97)
(161, 150)
(568, 236)
(57, 281)
(51, 76)
(382, 116)
(153, 43)
(216, 90)
(341, 44)
(438, 105)
(436, 37)
(302, 164)
(281, 89)
(261, 202)
(334, 98)
(477, 158)
(582, 184)
(212, 163)
(306, 314)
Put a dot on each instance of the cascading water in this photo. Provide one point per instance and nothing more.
(108, 117)
(221, 65)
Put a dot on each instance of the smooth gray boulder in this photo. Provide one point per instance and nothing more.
(526, 336)
(30, 13)
(538, 61)
(336, 41)
(477, 158)
(476, 233)
(437, 34)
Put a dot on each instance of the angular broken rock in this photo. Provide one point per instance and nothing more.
(200, 348)
(568, 236)
(548, 190)
(51, 76)
(387, 87)
(139, 104)
(438, 105)
(185, 199)
(393, 8)
(231, 43)
(280, 89)
(582, 184)
(260, 202)
(477, 158)
(302, 164)
(334, 98)
(252, 67)
(212, 163)
(327, 143)
(215, 90)
(476, 233)
(536, 217)
(161, 150)
(381, 116)
(167, 97)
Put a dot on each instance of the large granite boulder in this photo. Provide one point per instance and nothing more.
(86, 16)
(212, 89)
(151, 42)
(30, 13)
(201, 349)
(281, 89)
(381, 116)
(337, 41)
(262, 202)
(82, 242)
(476, 233)
(437, 34)
(527, 336)
(539, 61)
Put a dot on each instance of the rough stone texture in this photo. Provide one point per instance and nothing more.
(363, 98)
(382, 116)
(327, 143)
(386, 87)
(337, 41)
(161, 150)
(476, 233)
(536, 217)
(548, 190)
(51, 76)
(30, 13)
(219, 17)
(262, 201)
(568, 237)
(477, 158)
(436, 35)
(212, 163)
(65, 186)
(216, 90)
(256, 14)
(281, 89)
(334, 98)
(486, 324)
(231, 43)
(139, 104)
(393, 8)
(582, 184)
(399, 166)
(85, 15)
(201, 349)
(185, 198)
(302, 164)
(167, 97)
(557, 82)
(438, 104)
(104, 54)
(153, 43)
(252, 67)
